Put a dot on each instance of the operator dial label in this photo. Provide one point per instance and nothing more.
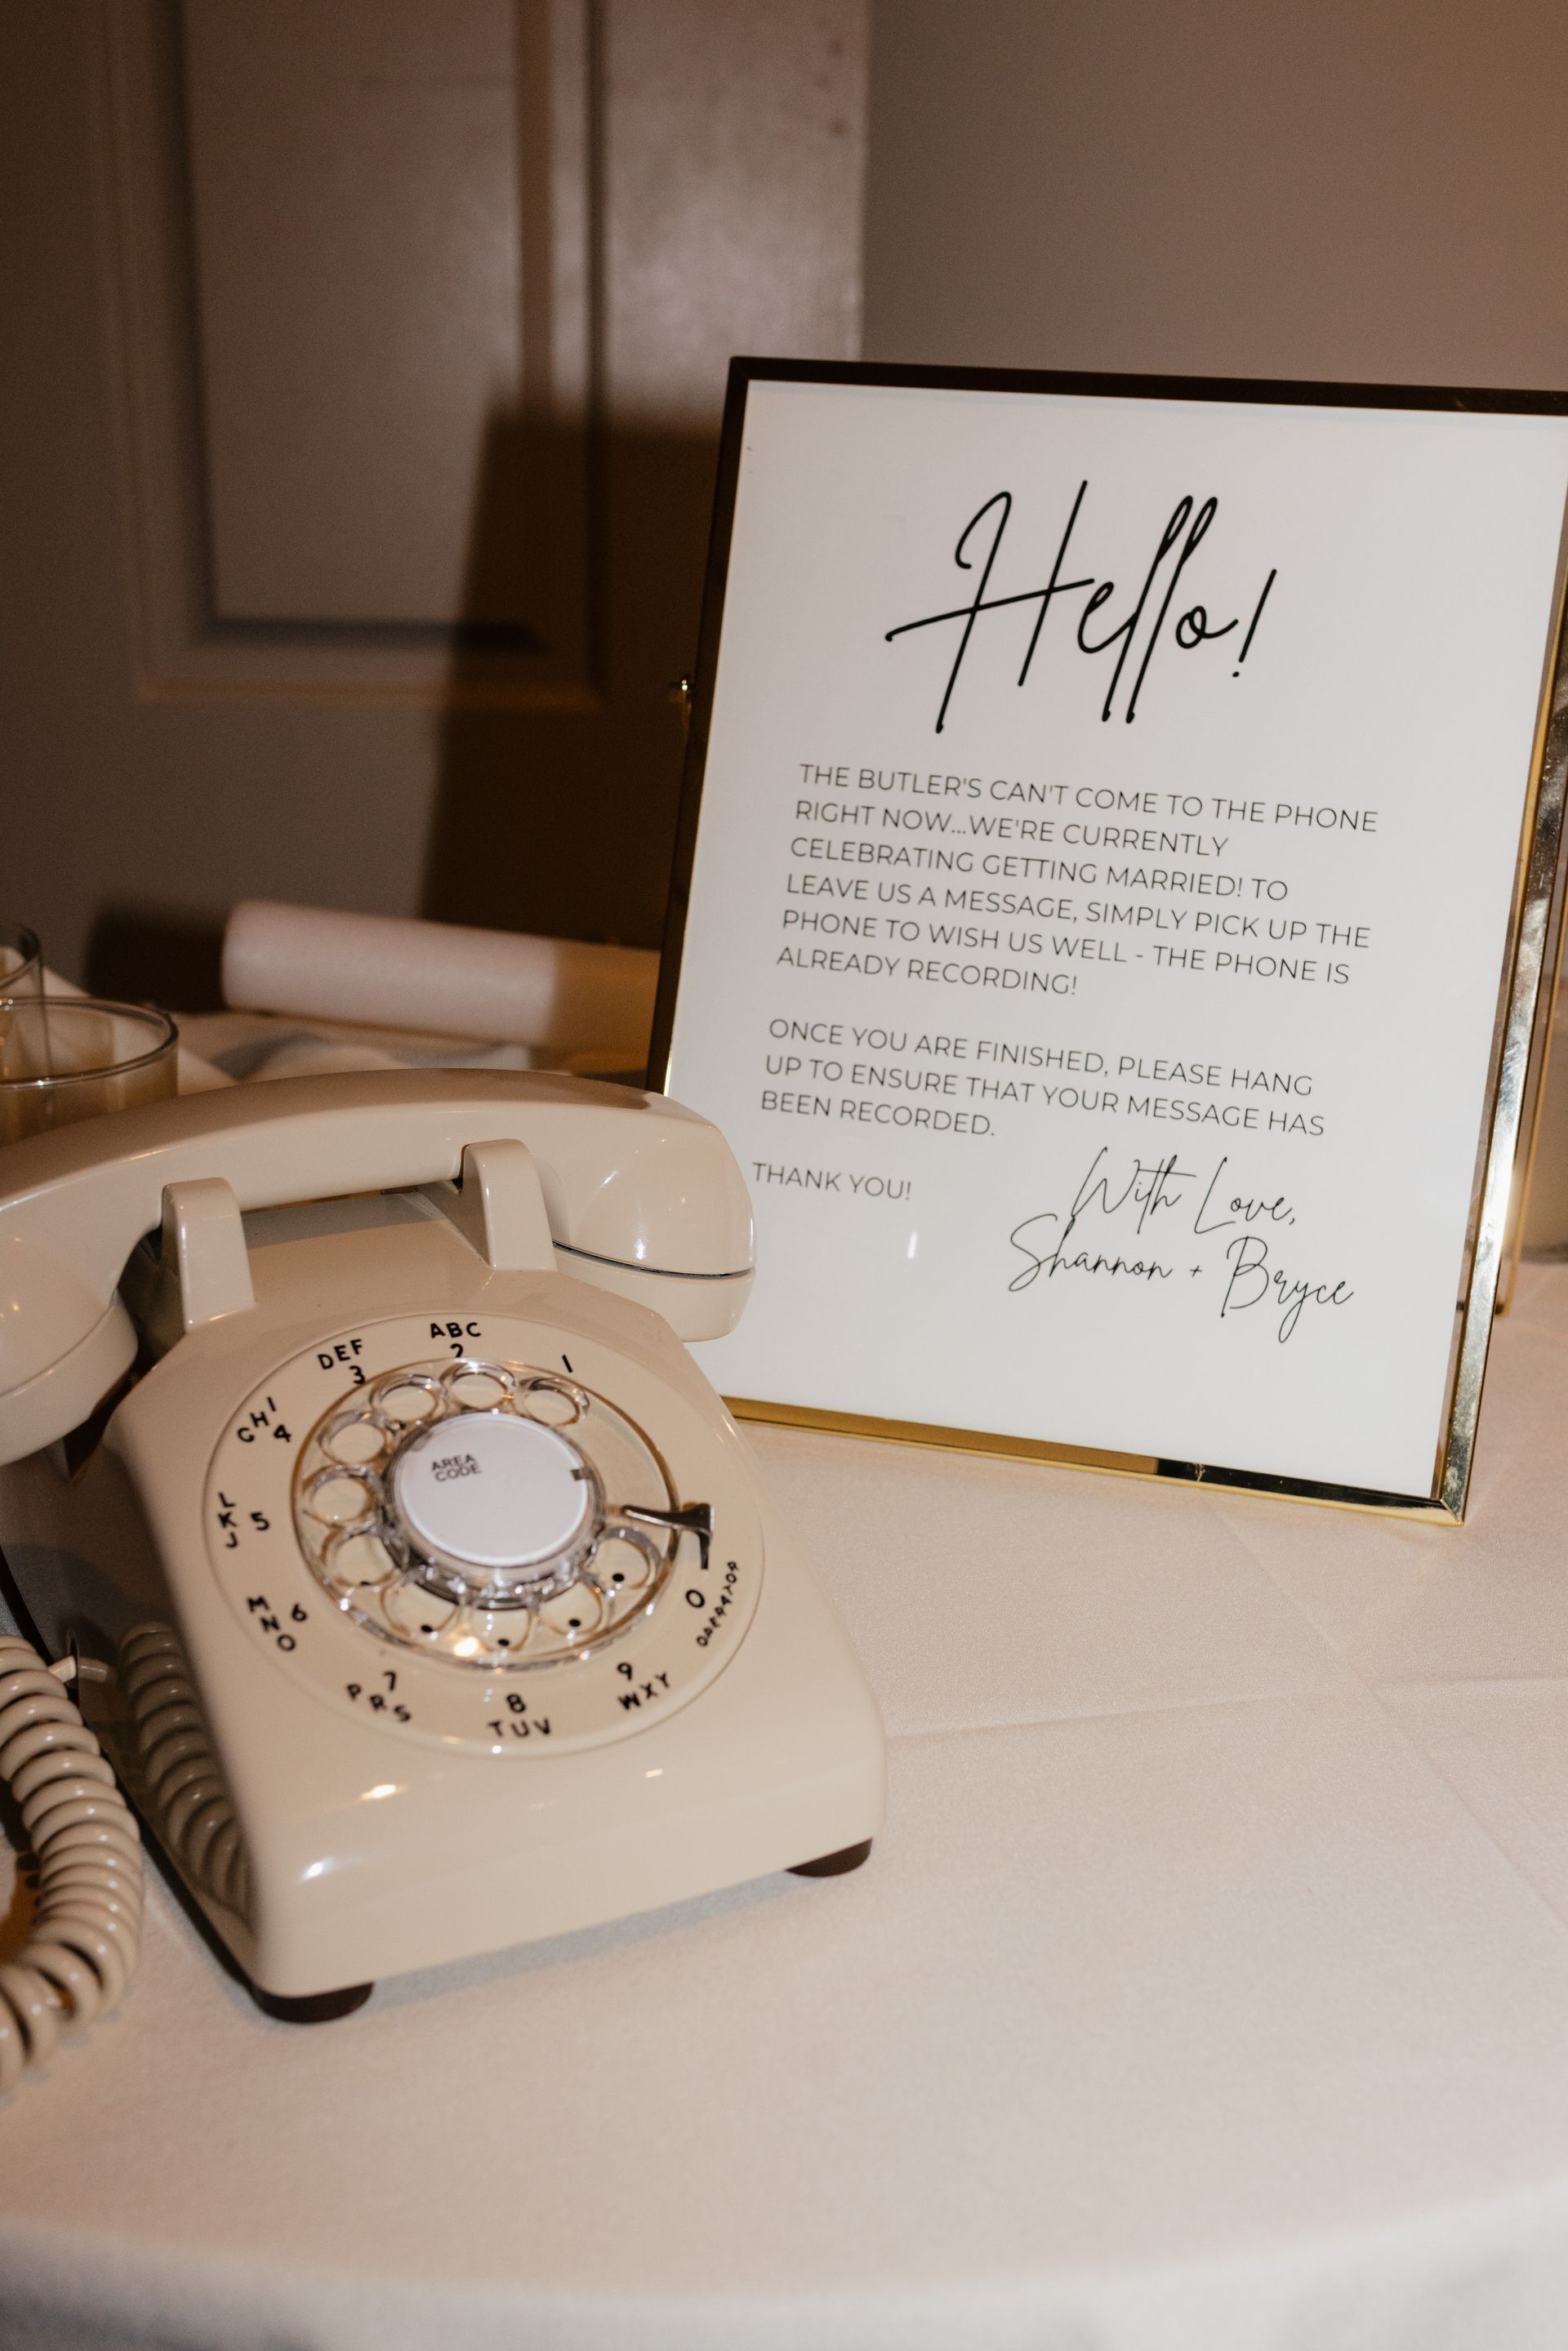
(322, 1534)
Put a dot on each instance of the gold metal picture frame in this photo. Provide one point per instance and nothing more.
(1529, 954)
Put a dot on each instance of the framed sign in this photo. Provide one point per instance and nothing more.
(1115, 885)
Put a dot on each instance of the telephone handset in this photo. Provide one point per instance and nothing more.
(420, 1590)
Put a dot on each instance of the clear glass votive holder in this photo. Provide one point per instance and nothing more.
(64, 1058)
(21, 962)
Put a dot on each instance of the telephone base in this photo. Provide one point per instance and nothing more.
(833, 1864)
(306, 1641)
(315, 2007)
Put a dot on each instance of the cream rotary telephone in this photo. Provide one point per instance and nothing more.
(419, 1588)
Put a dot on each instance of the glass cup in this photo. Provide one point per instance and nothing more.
(21, 962)
(64, 1058)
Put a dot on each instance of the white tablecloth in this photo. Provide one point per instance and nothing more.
(1208, 1988)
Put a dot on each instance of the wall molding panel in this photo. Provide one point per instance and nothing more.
(355, 346)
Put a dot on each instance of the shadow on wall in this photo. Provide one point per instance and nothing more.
(559, 751)
(561, 819)
(155, 954)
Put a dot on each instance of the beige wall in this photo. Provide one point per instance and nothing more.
(1371, 190)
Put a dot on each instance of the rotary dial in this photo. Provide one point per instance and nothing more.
(472, 1546)
(486, 1512)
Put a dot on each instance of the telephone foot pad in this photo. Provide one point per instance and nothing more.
(833, 1864)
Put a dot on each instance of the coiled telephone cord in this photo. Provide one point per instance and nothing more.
(188, 1805)
(87, 1924)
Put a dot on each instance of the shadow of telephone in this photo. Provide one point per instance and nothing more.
(415, 1583)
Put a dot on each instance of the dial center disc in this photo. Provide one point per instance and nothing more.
(489, 1491)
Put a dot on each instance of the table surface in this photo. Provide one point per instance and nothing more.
(1209, 1986)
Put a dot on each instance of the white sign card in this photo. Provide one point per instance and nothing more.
(1111, 908)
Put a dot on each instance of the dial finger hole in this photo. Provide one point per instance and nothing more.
(575, 1616)
(353, 1561)
(418, 1615)
(504, 1633)
(354, 1441)
(409, 1400)
(625, 1562)
(477, 1390)
(553, 1402)
(339, 1497)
